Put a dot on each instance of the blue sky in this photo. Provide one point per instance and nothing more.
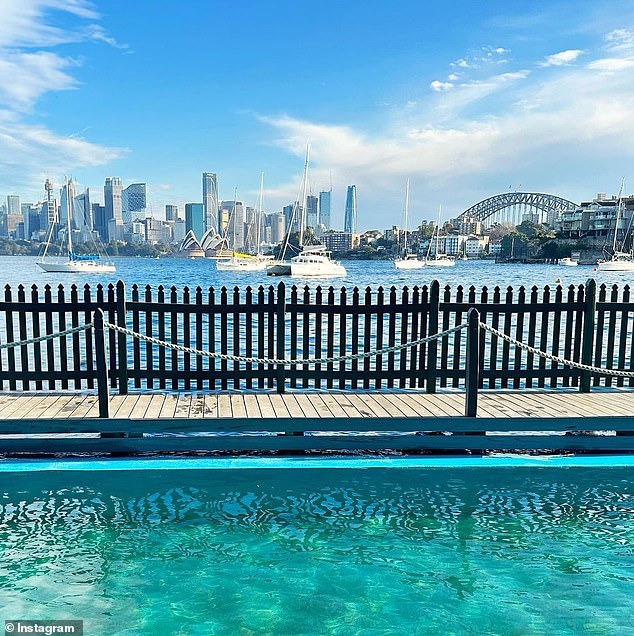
(466, 99)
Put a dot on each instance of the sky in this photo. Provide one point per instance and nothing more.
(465, 99)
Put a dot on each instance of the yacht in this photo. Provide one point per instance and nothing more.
(438, 260)
(95, 263)
(568, 262)
(407, 261)
(618, 261)
(315, 261)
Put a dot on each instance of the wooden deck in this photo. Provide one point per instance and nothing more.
(537, 421)
(312, 406)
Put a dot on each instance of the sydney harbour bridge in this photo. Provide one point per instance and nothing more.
(514, 207)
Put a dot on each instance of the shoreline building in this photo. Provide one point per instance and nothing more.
(312, 211)
(195, 219)
(350, 217)
(210, 201)
(325, 198)
(114, 211)
(171, 212)
(133, 203)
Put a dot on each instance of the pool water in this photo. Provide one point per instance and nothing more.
(330, 548)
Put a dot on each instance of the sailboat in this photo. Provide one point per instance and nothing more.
(619, 261)
(73, 263)
(239, 262)
(407, 261)
(313, 260)
(438, 260)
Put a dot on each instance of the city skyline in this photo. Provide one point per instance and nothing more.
(468, 101)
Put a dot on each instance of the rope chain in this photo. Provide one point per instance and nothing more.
(50, 336)
(284, 361)
(553, 358)
(333, 360)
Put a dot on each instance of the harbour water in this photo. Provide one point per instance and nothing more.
(193, 272)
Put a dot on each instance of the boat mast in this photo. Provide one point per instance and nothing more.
(69, 240)
(618, 215)
(258, 214)
(302, 220)
(406, 214)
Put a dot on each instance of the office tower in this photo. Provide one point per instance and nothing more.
(100, 224)
(112, 199)
(350, 218)
(51, 208)
(171, 212)
(66, 198)
(278, 227)
(82, 211)
(134, 203)
(195, 219)
(13, 204)
(210, 200)
(312, 211)
(324, 208)
(232, 215)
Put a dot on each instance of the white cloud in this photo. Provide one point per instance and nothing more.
(441, 86)
(611, 65)
(30, 151)
(562, 58)
(620, 40)
(451, 141)
(25, 77)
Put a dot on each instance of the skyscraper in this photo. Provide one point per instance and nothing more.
(171, 212)
(324, 208)
(112, 199)
(195, 219)
(13, 204)
(312, 211)
(210, 200)
(350, 218)
(133, 203)
(67, 196)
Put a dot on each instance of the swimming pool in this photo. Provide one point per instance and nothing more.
(314, 546)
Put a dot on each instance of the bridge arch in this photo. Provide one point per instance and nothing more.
(550, 205)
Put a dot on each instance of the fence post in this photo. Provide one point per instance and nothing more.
(432, 347)
(587, 342)
(280, 336)
(122, 344)
(472, 369)
(101, 365)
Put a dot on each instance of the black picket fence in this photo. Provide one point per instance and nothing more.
(579, 323)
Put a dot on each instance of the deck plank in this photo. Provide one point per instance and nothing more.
(168, 408)
(183, 405)
(305, 403)
(156, 404)
(197, 406)
(237, 405)
(264, 403)
(211, 407)
(252, 406)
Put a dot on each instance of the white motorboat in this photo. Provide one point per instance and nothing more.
(316, 262)
(568, 262)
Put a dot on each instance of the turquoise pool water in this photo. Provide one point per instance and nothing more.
(320, 547)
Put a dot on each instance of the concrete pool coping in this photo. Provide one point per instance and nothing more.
(330, 463)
